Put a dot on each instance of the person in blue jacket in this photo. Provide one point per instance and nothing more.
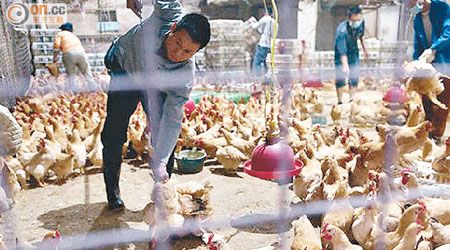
(432, 32)
(346, 53)
(432, 44)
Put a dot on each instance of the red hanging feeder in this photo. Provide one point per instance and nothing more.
(269, 159)
(395, 94)
(313, 81)
(189, 106)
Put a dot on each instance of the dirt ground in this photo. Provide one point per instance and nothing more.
(77, 207)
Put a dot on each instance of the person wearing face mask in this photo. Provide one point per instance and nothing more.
(150, 64)
(432, 44)
(346, 53)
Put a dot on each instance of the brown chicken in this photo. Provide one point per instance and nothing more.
(246, 147)
(441, 233)
(373, 154)
(335, 180)
(9, 182)
(358, 173)
(305, 235)
(230, 157)
(210, 145)
(417, 116)
(78, 151)
(438, 209)
(408, 240)
(173, 201)
(336, 113)
(337, 238)
(309, 178)
(40, 163)
(415, 213)
(63, 166)
(429, 147)
(18, 169)
(423, 78)
(412, 139)
(341, 217)
(442, 162)
(51, 241)
(364, 220)
(138, 138)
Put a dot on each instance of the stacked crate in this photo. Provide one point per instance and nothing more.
(226, 49)
(96, 61)
(286, 54)
(42, 46)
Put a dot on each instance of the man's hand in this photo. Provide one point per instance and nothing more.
(428, 55)
(252, 20)
(366, 55)
(55, 56)
(346, 70)
(11, 132)
(160, 173)
(135, 6)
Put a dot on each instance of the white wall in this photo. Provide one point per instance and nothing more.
(307, 18)
(370, 22)
(128, 19)
(83, 23)
(388, 23)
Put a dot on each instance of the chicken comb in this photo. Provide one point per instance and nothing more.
(350, 156)
(428, 126)
(447, 142)
(419, 222)
(422, 204)
(324, 229)
(57, 234)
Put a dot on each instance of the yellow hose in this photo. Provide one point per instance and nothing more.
(268, 93)
(275, 10)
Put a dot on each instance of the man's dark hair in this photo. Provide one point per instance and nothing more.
(269, 10)
(354, 11)
(198, 28)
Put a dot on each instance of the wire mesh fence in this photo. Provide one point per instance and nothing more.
(279, 111)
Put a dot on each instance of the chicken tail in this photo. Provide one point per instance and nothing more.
(433, 99)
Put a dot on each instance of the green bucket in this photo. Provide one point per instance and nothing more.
(190, 161)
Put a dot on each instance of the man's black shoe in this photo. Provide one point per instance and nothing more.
(116, 206)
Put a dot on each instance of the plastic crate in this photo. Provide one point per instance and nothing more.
(41, 45)
(44, 32)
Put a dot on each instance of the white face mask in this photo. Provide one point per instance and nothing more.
(417, 8)
(356, 24)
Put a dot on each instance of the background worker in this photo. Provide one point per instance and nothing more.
(265, 26)
(432, 44)
(346, 52)
(74, 57)
(150, 64)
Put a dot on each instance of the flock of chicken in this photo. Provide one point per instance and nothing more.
(339, 163)
(62, 138)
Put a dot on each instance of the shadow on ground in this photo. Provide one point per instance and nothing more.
(85, 218)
